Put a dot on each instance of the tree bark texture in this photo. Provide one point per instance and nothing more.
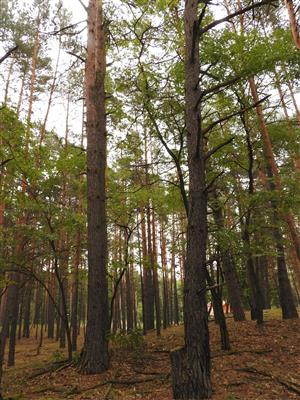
(94, 357)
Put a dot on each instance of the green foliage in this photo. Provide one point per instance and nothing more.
(132, 341)
(57, 356)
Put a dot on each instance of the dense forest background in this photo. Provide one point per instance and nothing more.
(235, 102)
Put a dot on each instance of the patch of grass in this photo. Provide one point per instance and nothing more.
(57, 356)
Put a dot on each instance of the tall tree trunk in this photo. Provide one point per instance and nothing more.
(229, 268)
(141, 262)
(34, 60)
(13, 311)
(294, 102)
(52, 89)
(10, 70)
(191, 365)
(147, 274)
(293, 22)
(27, 307)
(163, 253)
(20, 100)
(50, 305)
(155, 276)
(173, 275)
(129, 304)
(94, 356)
(75, 286)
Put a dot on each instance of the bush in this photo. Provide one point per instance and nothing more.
(132, 341)
(57, 356)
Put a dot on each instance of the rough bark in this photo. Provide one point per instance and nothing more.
(94, 356)
(293, 22)
(191, 364)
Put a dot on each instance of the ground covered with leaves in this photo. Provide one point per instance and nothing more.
(262, 364)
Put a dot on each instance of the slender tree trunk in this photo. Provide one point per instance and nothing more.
(141, 261)
(34, 59)
(294, 102)
(10, 70)
(20, 100)
(94, 356)
(52, 89)
(219, 312)
(74, 316)
(293, 22)
(129, 304)
(229, 268)
(163, 252)
(13, 310)
(50, 305)
(148, 281)
(191, 364)
(155, 277)
(27, 307)
(173, 275)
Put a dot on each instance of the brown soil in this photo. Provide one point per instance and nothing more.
(263, 364)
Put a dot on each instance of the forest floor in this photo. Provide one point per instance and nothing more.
(262, 364)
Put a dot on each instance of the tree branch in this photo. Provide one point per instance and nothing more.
(217, 148)
(227, 117)
(219, 86)
(211, 183)
(232, 15)
(3, 58)
(76, 55)
(5, 162)
(83, 5)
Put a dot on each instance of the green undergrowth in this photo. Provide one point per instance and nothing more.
(133, 341)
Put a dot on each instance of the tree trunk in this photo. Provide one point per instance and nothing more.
(129, 304)
(163, 252)
(13, 311)
(272, 170)
(50, 305)
(27, 306)
(74, 316)
(219, 312)
(155, 277)
(229, 268)
(191, 365)
(173, 275)
(148, 280)
(293, 22)
(94, 356)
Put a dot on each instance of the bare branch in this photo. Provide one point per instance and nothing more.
(227, 117)
(5, 162)
(218, 147)
(3, 58)
(211, 183)
(77, 56)
(235, 14)
(83, 5)
(216, 88)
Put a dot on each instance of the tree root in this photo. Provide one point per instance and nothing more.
(291, 386)
(233, 353)
(111, 382)
(58, 366)
(146, 372)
